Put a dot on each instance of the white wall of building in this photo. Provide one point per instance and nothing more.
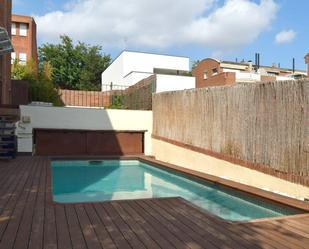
(81, 119)
(279, 78)
(174, 82)
(129, 62)
(135, 77)
(247, 77)
(114, 73)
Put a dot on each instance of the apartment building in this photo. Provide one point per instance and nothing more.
(212, 72)
(24, 39)
(5, 65)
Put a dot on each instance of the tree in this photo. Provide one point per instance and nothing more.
(195, 63)
(74, 66)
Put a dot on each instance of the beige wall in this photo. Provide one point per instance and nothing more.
(81, 119)
(173, 154)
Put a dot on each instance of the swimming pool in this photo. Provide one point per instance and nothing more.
(91, 181)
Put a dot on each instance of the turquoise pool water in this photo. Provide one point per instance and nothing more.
(91, 181)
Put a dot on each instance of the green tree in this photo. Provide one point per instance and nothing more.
(24, 71)
(195, 63)
(40, 86)
(74, 66)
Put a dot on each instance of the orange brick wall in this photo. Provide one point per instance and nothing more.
(222, 78)
(25, 44)
(85, 98)
(268, 78)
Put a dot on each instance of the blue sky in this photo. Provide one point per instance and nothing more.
(195, 28)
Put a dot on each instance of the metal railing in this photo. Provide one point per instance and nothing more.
(138, 96)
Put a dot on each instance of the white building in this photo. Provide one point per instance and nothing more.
(131, 67)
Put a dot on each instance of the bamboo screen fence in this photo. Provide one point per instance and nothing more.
(264, 123)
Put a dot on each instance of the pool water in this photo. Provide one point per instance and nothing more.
(91, 181)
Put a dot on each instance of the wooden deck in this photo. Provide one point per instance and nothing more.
(29, 219)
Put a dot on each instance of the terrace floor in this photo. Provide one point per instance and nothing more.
(29, 219)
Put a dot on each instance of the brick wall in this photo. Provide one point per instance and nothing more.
(268, 78)
(85, 98)
(25, 44)
(221, 78)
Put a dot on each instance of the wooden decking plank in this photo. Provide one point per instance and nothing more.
(24, 230)
(37, 231)
(155, 224)
(222, 228)
(7, 173)
(295, 227)
(135, 227)
(16, 211)
(181, 224)
(13, 194)
(87, 228)
(128, 234)
(298, 225)
(283, 235)
(50, 228)
(77, 237)
(116, 235)
(10, 185)
(103, 235)
(172, 225)
(199, 226)
(266, 241)
(265, 234)
(30, 219)
(63, 234)
(143, 222)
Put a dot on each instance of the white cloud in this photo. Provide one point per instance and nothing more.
(285, 36)
(160, 23)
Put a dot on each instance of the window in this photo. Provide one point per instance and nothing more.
(205, 75)
(23, 29)
(13, 30)
(22, 58)
(214, 71)
(13, 57)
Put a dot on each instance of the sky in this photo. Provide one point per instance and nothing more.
(223, 29)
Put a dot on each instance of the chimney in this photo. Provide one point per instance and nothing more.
(250, 67)
(307, 62)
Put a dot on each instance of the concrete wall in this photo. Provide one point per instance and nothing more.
(128, 62)
(173, 83)
(186, 158)
(81, 119)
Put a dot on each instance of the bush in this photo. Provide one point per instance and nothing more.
(40, 86)
(44, 91)
(117, 102)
